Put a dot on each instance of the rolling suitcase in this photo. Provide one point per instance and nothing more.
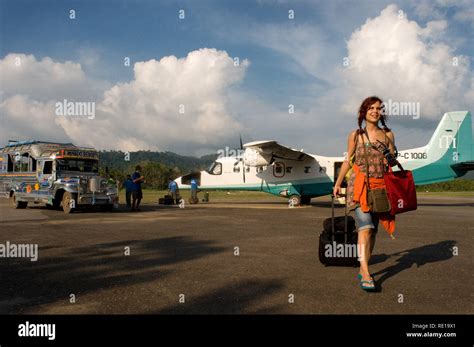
(338, 240)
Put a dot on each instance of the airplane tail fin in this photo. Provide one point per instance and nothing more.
(450, 151)
(452, 136)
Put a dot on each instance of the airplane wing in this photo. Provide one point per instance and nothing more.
(276, 151)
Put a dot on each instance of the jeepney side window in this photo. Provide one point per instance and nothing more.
(32, 164)
(11, 160)
(17, 163)
(24, 162)
(48, 167)
(3, 163)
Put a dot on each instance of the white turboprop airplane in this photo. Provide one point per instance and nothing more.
(272, 168)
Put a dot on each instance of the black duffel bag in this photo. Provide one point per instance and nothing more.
(338, 224)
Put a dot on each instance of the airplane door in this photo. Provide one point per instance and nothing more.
(279, 169)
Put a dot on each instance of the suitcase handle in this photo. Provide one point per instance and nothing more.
(332, 218)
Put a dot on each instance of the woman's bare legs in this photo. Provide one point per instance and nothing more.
(372, 241)
(366, 242)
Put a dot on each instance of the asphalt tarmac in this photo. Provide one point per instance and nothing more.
(231, 258)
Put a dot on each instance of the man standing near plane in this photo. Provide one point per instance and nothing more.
(173, 190)
(129, 185)
(137, 194)
(194, 188)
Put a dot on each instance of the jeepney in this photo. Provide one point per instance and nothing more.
(59, 175)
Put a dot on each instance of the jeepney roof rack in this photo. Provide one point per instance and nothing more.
(28, 145)
(13, 143)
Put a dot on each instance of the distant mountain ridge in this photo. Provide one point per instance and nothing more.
(117, 160)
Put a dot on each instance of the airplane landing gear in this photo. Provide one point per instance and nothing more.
(295, 200)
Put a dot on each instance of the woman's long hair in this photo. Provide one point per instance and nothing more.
(363, 112)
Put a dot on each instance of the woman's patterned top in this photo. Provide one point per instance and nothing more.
(376, 166)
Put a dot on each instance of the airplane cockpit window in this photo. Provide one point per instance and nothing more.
(236, 168)
(289, 169)
(215, 168)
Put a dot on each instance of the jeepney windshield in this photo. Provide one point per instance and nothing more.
(77, 165)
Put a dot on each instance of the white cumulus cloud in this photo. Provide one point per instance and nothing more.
(43, 79)
(390, 55)
(171, 104)
(397, 59)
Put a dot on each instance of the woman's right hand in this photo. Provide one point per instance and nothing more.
(336, 191)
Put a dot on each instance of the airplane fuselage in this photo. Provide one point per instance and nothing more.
(448, 155)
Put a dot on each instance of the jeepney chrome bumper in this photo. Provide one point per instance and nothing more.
(97, 199)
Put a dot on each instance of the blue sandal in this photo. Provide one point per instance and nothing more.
(359, 277)
(365, 287)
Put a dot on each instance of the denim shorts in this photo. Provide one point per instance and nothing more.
(366, 220)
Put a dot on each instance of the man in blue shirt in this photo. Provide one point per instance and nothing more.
(128, 184)
(194, 188)
(137, 194)
(173, 190)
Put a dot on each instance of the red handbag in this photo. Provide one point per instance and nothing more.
(401, 190)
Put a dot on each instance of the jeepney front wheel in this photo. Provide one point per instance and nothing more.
(18, 204)
(68, 202)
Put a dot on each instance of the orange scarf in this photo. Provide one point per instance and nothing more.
(360, 197)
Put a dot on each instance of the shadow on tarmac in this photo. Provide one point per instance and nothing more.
(419, 256)
(84, 270)
(233, 299)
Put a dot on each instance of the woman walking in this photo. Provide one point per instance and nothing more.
(372, 146)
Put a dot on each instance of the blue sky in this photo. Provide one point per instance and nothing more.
(279, 52)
